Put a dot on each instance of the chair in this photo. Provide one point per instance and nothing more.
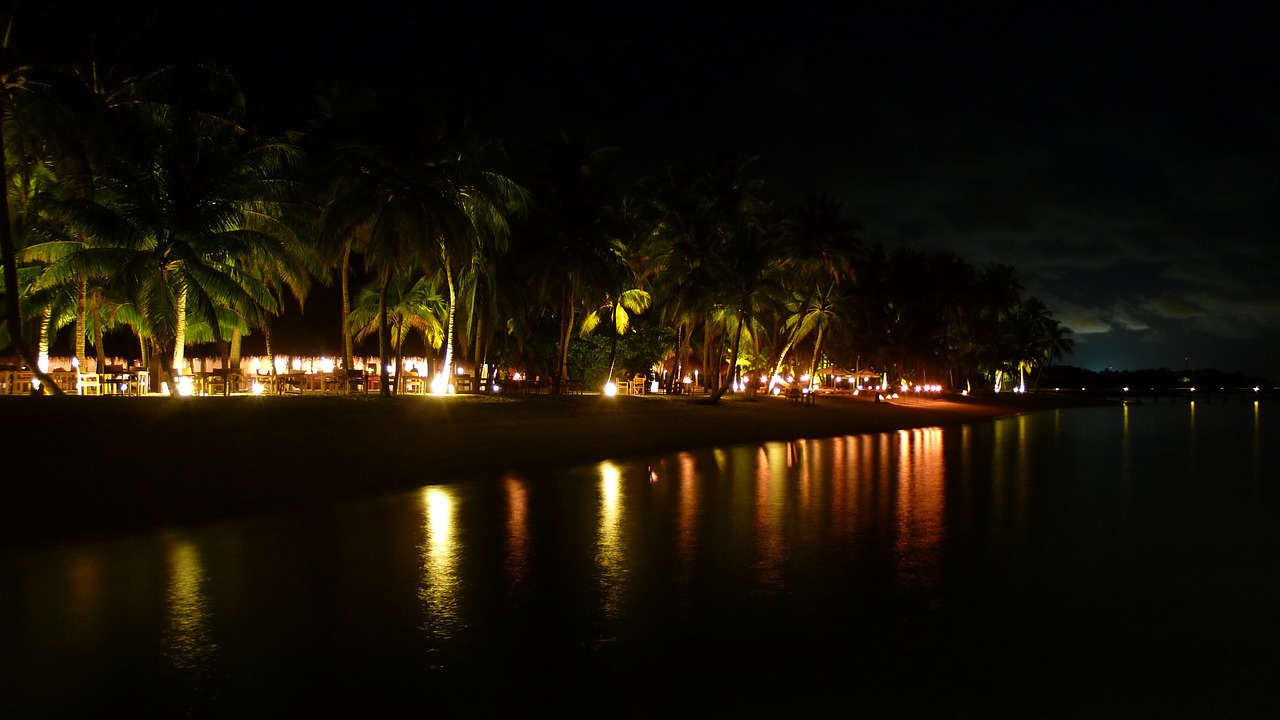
(64, 379)
(140, 382)
(414, 384)
(88, 384)
(637, 384)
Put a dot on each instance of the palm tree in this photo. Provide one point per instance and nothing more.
(413, 303)
(19, 84)
(182, 223)
(416, 198)
(822, 251)
(569, 245)
(617, 312)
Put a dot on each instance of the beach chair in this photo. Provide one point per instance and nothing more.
(88, 384)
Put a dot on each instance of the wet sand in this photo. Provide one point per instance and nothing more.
(85, 467)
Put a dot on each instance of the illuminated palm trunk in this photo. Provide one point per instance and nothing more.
(42, 347)
(180, 330)
(446, 369)
(82, 293)
(347, 346)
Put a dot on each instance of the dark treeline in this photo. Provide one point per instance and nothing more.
(148, 209)
(1158, 380)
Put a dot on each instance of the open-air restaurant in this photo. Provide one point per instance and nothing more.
(257, 375)
(299, 375)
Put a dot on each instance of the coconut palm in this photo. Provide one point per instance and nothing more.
(179, 223)
(417, 198)
(413, 304)
(20, 86)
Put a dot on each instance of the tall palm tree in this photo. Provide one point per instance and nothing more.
(415, 194)
(616, 314)
(413, 304)
(180, 223)
(568, 246)
(19, 84)
(822, 250)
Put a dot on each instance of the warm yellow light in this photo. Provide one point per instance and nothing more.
(610, 389)
(184, 385)
(440, 385)
(257, 388)
(326, 365)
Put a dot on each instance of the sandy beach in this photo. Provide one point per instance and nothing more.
(93, 466)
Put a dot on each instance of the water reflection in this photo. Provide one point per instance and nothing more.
(772, 463)
(517, 565)
(921, 493)
(610, 546)
(438, 590)
(687, 514)
(187, 641)
(991, 557)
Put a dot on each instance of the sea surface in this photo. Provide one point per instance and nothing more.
(1117, 561)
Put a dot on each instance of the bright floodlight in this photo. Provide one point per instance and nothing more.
(440, 385)
(610, 389)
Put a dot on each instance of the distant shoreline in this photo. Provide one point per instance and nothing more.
(97, 466)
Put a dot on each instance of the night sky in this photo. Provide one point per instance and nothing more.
(1124, 161)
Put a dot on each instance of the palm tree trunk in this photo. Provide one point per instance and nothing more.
(446, 369)
(348, 348)
(384, 380)
(613, 342)
(566, 334)
(42, 340)
(180, 330)
(817, 353)
(270, 345)
(399, 358)
(99, 347)
(733, 358)
(82, 302)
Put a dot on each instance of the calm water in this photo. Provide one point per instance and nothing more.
(1106, 562)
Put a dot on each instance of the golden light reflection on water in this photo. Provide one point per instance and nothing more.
(771, 481)
(439, 552)
(610, 546)
(921, 494)
(187, 641)
(688, 513)
(517, 530)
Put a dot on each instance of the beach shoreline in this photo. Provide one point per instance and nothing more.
(93, 467)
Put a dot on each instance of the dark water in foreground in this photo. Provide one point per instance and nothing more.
(1103, 562)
